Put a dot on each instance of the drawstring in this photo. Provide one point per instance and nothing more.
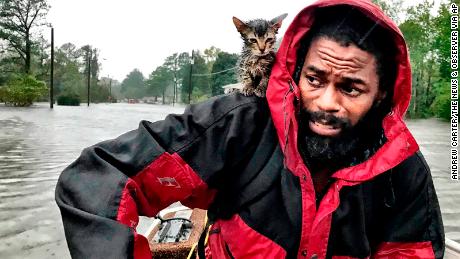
(389, 198)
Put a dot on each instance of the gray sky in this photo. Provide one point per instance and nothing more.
(141, 33)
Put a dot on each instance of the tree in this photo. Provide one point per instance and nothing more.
(224, 73)
(441, 103)
(183, 61)
(210, 55)
(99, 92)
(133, 86)
(201, 88)
(17, 20)
(418, 31)
(159, 80)
(69, 79)
(172, 64)
(40, 61)
(392, 8)
(442, 39)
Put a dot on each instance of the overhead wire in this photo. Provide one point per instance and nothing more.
(215, 73)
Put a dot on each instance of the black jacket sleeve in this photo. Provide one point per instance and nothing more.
(103, 192)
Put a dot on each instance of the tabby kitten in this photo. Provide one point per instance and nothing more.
(258, 55)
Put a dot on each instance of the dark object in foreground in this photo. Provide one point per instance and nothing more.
(177, 236)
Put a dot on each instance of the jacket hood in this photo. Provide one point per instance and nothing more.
(283, 92)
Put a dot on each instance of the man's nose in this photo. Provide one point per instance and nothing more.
(328, 101)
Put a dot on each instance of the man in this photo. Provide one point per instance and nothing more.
(324, 168)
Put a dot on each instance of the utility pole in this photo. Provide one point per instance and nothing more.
(89, 54)
(175, 79)
(52, 70)
(190, 78)
(110, 90)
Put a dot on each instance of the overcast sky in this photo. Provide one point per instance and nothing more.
(142, 33)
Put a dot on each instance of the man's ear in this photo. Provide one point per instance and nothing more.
(240, 25)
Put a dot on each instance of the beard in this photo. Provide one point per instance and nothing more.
(337, 151)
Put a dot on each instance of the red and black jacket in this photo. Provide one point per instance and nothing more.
(237, 156)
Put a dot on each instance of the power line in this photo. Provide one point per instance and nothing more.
(219, 72)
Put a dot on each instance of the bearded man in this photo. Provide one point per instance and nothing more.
(325, 167)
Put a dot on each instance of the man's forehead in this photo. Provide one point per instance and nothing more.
(326, 56)
(345, 55)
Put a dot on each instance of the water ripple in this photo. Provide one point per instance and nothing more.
(37, 143)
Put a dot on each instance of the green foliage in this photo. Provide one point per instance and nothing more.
(442, 39)
(210, 55)
(69, 99)
(175, 73)
(186, 69)
(427, 35)
(391, 8)
(201, 85)
(67, 67)
(441, 103)
(22, 90)
(24, 49)
(133, 86)
(159, 80)
(225, 61)
(428, 39)
(421, 32)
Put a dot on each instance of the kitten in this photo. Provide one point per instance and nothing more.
(258, 55)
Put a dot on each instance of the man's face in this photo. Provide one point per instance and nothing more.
(338, 86)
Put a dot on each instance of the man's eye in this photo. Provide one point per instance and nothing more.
(313, 81)
(351, 91)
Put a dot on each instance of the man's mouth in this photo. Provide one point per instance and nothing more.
(323, 129)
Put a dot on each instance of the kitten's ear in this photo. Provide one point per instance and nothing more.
(240, 26)
(276, 22)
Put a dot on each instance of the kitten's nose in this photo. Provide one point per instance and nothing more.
(262, 50)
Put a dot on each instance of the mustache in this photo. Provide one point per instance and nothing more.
(325, 118)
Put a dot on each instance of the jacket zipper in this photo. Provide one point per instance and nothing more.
(286, 122)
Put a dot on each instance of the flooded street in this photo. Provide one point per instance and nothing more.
(37, 143)
(433, 137)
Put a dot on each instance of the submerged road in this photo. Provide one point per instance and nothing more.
(36, 144)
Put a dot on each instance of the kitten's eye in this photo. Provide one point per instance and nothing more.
(270, 39)
(252, 40)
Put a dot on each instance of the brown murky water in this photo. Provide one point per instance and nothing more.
(36, 144)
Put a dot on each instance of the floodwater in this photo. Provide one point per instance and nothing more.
(37, 143)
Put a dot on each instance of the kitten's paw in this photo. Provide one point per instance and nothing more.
(259, 92)
(247, 91)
